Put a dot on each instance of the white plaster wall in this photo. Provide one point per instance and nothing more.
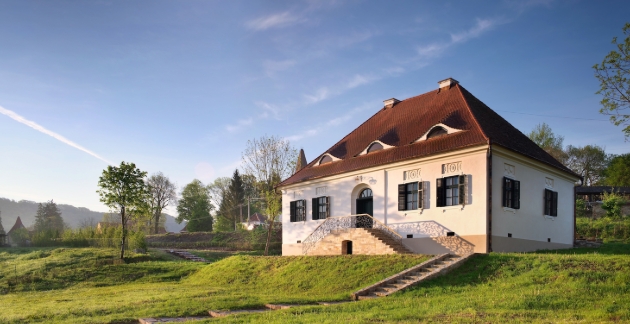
(430, 222)
(433, 221)
(528, 222)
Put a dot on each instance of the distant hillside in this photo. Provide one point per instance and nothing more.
(73, 216)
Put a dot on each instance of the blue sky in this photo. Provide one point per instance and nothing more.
(180, 86)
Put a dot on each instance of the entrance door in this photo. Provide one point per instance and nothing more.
(365, 206)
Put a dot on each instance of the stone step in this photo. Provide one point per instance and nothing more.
(366, 297)
(235, 312)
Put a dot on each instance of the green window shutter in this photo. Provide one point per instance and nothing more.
(315, 208)
(421, 192)
(462, 189)
(327, 206)
(505, 192)
(554, 204)
(547, 202)
(439, 192)
(402, 194)
(516, 194)
(292, 211)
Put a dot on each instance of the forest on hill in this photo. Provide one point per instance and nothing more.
(73, 216)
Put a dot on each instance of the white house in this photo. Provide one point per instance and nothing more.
(439, 172)
(255, 220)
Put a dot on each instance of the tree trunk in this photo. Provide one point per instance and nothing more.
(124, 233)
(269, 236)
(157, 219)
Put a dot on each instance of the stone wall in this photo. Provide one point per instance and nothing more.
(598, 211)
(362, 243)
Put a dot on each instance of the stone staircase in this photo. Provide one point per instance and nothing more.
(395, 245)
(429, 269)
(187, 255)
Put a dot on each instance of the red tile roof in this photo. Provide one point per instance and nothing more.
(409, 119)
(18, 224)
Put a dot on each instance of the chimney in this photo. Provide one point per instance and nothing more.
(390, 102)
(447, 83)
(301, 161)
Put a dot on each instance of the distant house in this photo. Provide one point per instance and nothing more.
(101, 226)
(255, 220)
(18, 225)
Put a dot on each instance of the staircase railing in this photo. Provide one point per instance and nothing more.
(346, 222)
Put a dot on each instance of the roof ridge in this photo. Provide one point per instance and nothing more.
(474, 117)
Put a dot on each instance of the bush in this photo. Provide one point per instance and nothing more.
(612, 203)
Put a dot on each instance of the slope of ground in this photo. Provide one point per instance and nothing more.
(85, 286)
(580, 285)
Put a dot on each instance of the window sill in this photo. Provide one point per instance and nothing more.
(412, 212)
(508, 209)
(553, 218)
(445, 208)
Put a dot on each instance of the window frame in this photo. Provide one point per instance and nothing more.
(511, 193)
(407, 189)
(460, 189)
(550, 203)
(297, 210)
(320, 205)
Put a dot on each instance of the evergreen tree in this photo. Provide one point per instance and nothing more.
(1, 227)
(48, 218)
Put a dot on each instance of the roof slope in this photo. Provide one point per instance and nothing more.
(409, 119)
(18, 224)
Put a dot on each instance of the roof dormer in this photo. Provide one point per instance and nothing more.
(327, 158)
(375, 146)
(437, 130)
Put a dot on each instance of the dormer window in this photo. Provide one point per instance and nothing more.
(325, 159)
(437, 132)
(375, 147)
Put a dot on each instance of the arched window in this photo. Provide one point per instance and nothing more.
(437, 132)
(375, 147)
(366, 193)
(325, 159)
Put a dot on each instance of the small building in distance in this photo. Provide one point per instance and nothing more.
(254, 221)
(18, 225)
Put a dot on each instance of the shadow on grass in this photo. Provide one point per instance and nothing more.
(609, 248)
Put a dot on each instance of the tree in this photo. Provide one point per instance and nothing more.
(161, 194)
(48, 219)
(122, 188)
(268, 160)
(232, 204)
(195, 206)
(618, 171)
(218, 189)
(548, 141)
(588, 161)
(1, 227)
(614, 77)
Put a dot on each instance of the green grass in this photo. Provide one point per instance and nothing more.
(83, 285)
(588, 286)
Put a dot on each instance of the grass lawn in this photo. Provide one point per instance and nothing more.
(85, 285)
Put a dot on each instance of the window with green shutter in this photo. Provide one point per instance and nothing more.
(320, 207)
(410, 196)
(297, 210)
(511, 193)
(451, 191)
(551, 203)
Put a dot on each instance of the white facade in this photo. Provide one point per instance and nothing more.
(464, 228)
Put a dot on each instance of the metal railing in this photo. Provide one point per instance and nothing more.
(346, 222)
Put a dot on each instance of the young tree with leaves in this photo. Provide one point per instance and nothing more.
(269, 160)
(194, 206)
(548, 141)
(123, 189)
(161, 195)
(614, 77)
(588, 161)
(617, 173)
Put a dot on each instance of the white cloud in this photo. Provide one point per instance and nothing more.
(239, 124)
(436, 49)
(54, 135)
(331, 123)
(321, 94)
(359, 80)
(269, 109)
(282, 19)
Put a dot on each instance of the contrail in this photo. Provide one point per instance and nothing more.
(56, 136)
